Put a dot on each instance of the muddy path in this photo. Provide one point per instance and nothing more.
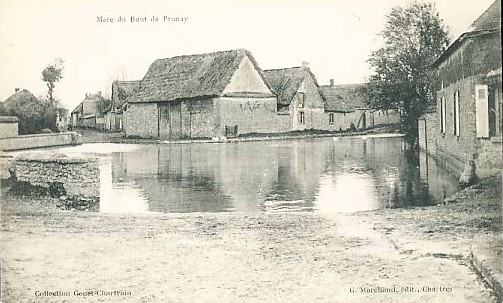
(296, 257)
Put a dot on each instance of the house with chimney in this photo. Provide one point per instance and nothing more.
(114, 114)
(464, 130)
(345, 109)
(298, 97)
(87, 114)
(219, 94)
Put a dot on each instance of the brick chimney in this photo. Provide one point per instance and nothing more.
(305, 64)
(331, 82)
(16, 89)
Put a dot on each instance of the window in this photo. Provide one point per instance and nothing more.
(456, 113)
(302, 98)
(301, 118)
(442, 115)
(331, 119)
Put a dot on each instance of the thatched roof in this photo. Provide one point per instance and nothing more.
(20, 95)
(487, 23)
(343, 98)
(285, 82)
(190, 77)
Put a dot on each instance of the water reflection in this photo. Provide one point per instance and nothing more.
(322, 175)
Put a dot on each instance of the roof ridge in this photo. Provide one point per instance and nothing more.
(238, 50)
(284, 68)
(483, 18)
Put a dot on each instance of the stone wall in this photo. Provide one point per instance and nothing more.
(142, 120)
(39, 141)
(342, 121)
(477, 55)
(251, 115)
(201, 119)
(455, 151)
(78, 176)
(380, 117)
(8, 129)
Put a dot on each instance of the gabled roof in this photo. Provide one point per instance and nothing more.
(490, 19)
(24, 95)
(487, 23)
(343, 98)
(78, 108)
(285, 82)
(189, 77)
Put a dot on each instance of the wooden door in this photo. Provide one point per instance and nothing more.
(175, 121)
(164, 122)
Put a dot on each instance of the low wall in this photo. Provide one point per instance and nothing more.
(8, 129)
(75, 181)
(39, 141)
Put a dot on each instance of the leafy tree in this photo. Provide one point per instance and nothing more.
(32, 113)
(52, 74)
(103, 105)
(403, 79)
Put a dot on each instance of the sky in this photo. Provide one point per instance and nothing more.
(336, 37)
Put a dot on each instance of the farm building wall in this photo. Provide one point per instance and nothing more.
(142, 120)
(250, 115)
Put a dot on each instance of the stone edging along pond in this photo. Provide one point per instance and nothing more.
(75, 181)
(377, 132)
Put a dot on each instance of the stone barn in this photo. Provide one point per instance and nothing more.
(220, 94)
(465, 127)
(298, 97)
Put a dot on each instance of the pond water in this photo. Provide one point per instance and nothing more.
(321, 175)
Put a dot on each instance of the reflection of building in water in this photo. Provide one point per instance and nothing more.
(171, 179)
(336, 174)
(439, 183)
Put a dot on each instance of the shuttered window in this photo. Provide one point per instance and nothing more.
(456, 123)
(482, 111)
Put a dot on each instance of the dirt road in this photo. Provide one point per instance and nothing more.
(62, 256)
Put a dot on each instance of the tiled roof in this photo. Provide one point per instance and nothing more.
(188, 77)
(490, 19)
(488, 22)
(343, 98)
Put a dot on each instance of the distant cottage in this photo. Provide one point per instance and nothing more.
(200, 96)
(114, 114)
(465, 129)
(87, 113)
(298, 96)
(345, 108)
